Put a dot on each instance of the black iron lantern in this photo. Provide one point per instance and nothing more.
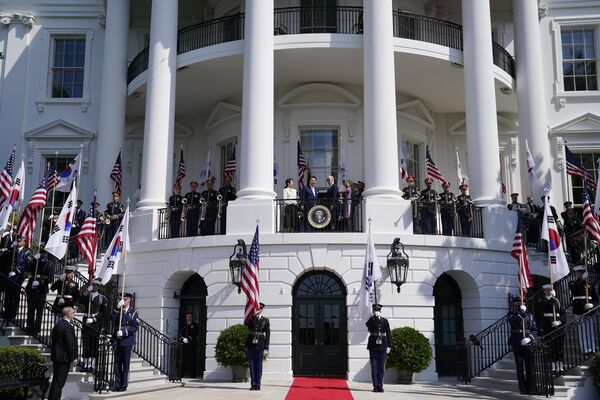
(397, 264)
(237, 263)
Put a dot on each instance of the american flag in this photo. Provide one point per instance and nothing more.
(53, 178)
(575, 169)
(519, 253)
(6, 179)
(115, 175)
(302, 167)
(589, 219)
(87, 239)
(180, 170)
(250, 280)
(229, 169)
(432, 169)
(31, 213)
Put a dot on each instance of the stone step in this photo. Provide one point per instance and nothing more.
(501, 394)
(136, 389)
(511, 385)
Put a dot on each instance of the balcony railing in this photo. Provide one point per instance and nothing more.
(434, 218)
(340, 20)
(205, 219)
(322, 215)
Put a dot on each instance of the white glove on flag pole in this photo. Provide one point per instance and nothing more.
(68, 175)
(118, 245)
(58, 242)
(371, 274)
(557, 261)
(16, 194)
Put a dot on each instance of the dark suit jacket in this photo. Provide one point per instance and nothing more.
(64, 343)
(332, 192)
(307, 198)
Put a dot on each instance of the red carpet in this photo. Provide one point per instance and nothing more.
(319, 389)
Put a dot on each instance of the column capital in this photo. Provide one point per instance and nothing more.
(26, 19)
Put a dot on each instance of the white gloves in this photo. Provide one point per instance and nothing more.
(588, 306)
(13, 244)
(585, 275)
(11, 274)
(555, 324)
(89, 320)
(522, 308)
(387, 351)
(266, 352)
(120, 333)
(185, 340)
(61, 301)
(37, 256)
(35, 284)
(525, 341)
(120, 303)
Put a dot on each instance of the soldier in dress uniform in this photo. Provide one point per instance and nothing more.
(584, 299)
(379, 344)
(533, 233)
(22, 257)
(42, 275)
(127, 318)
(410, 192)
(257, 343)
(228, 194)
(514, 204)
(464, 210)
(67, 291)
(189, 338)
(523, 331)
(175, 210)
(114, 213)
(551, 315)
(573, 227)
(95, 320)
(428, 205)
(447, 209)
(207, 227)
(192, 213)
(78, 220)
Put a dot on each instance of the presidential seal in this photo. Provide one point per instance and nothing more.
(319, 216)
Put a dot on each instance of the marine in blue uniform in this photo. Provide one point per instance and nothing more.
(125, 339)
(550, 316)
(523, 331)
(95, 321)
(192, 214)
(175, 210)
(464, 209)
(584, 299)
(257, 343)
(42, 274)
(428, 203)
(379, 344)
(22, 257)
(447, 209)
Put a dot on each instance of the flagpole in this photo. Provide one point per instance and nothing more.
(521, 290)
(37, 262)
(124, 274)
(371, 268)
(21, 190)
(585, 263)
(90, 276)
(53, 195)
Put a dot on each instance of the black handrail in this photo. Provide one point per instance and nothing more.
(338, 20)
(485, 348)
(429, 219)
(200, 220)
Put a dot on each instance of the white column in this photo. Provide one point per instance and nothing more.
(160, 106)
(255, 195)
(111, 122)
(530, 93)
(480, 104)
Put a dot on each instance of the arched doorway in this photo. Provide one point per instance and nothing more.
(448, 323)
(193, 300)
(319, 326)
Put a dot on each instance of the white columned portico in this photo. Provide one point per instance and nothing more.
(383, 199)
(255, 197)
(530, 93)
(111, 121)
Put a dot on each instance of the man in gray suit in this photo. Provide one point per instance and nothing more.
(63, 352)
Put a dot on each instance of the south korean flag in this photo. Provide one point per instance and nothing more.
(118, 245)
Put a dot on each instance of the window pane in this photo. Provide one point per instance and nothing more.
(78, 90)
(590, 51)
(569, 84)
(589, 36)
(592, 83)
(577, 36)
(579, 52)
(590, 68)
(320, 149)
(580, 83)
(567, 68)
(567, 52)
(565, 37)
(579, 68)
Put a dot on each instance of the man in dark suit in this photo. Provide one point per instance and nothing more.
(189, 338)
(308, 198)
(380, 340)
(332, 197)
(257, 343)
(63, 351)
(126, 322)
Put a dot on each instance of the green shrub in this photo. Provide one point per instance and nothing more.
(12, 367)
(595, 371)
(411, 350)
(231, 346)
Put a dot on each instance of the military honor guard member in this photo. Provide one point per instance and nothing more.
(464, 209)
(428, 204)
(257, 344)
(514, 204)
(584, 299)
(96, 320)
(227, 193)
(447, 209)
(523, 331)
(379, 344)
(551, 315)
(175, 212)
(22, 258)
(189, 338)
(574, 235)
(410, 191)
(207, 225)
(42, 275)
(128, 318)
(67, 290)
(192, 210)
(114, 214)
(63, 352)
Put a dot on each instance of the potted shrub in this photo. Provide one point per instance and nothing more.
(411, 352)
(230, 351)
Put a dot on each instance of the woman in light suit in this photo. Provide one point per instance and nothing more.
(290, 211)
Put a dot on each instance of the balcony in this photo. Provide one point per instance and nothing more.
(310, 20)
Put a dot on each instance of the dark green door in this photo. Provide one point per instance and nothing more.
(193, 300)
(448, 323)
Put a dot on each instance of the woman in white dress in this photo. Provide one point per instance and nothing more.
(290, 212)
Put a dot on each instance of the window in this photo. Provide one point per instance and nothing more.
(411, 160)
(320, 149)
(67, 66)
(588, 161)
(228, 153)
(580, 71)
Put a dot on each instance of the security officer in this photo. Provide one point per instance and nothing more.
(447, 209)
(428, 205)
(228, 194)
(380, 340)
(192, 214)
(523, 331)
(42, 275)
(410, 192)
(68, 291)
(175, 210)
(584, 299)
(22, 257)
(114, 213)
(94, 322)
(207, 226)
(464, 210)
(257, 343)
(126, 322)
(551, 315)
(189, 338)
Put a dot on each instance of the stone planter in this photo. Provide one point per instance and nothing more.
(240, 373)
(403, 377)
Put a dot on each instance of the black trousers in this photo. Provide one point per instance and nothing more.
(122, 359)
(11, 303)
(60, 370)
(519, 355)
(35, 308)
(90, 340)
(189, 360)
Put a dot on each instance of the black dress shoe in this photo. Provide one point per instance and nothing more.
(375, 389)
(252, 388)
(381, 389)
(258, 388)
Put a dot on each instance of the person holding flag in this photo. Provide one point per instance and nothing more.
(523, 331)
(6, 179)
(14, 198)
(118, 246)
(41, 276)
(126, 320)
(557, 261)
(584, 299)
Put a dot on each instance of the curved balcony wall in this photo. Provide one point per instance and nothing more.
(339, 20)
